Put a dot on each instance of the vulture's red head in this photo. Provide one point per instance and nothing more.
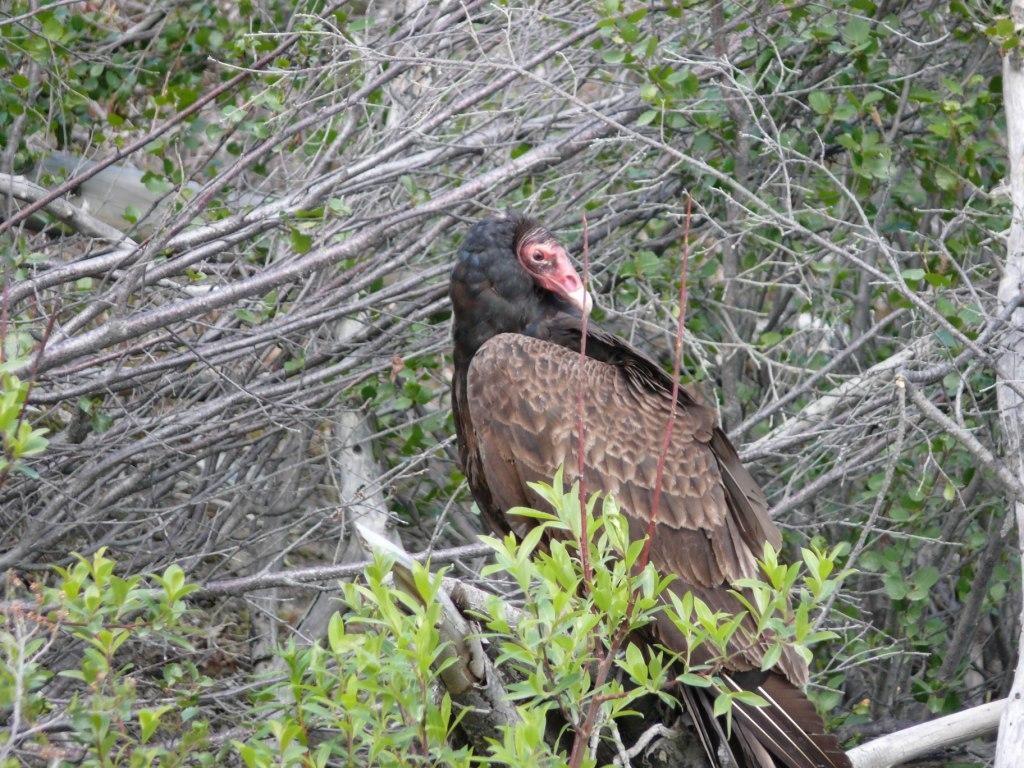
(510, 274)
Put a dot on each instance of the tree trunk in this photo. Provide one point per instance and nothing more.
(1010, 747)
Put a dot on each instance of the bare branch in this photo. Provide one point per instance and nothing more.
(927, 738)
(23, 189)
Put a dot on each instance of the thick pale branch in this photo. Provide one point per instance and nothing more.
(848, 394)
(927, 738)
(470, 677)
(282, 272)
(87, 224)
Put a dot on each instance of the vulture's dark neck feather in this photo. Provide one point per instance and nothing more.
(494, 298)
(492, 294)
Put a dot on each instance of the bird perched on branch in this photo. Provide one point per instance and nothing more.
(519, 308)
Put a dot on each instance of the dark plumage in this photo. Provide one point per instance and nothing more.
(519, 306)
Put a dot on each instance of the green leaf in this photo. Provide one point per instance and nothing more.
(949, 492)
(634, 663)
(945, 178)
(926, 578)
(339, 206)
(723, 705)
(750, 698)
(772, 656)
(895, 587)
(247, 316)
(149, 720)
(301, 242)
(856, 31)
(912, 274)
(820, 102)
(697, 681)
(1003, 28)
(54, 28)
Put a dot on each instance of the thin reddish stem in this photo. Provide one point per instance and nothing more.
(677, 360)
(582, 737)
(586, 728)
(580, 422)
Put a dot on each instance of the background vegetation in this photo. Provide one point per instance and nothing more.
(230, 344)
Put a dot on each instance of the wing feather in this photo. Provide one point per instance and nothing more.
(522, 402)
(522, 395)
(709, 527)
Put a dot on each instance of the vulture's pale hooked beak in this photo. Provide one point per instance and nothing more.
(562, 278)
(571, 286)
(581, 298)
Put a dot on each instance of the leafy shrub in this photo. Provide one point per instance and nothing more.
(124, 654)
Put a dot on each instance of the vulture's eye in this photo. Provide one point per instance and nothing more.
(537, 257)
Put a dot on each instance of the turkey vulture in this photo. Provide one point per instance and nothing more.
(518, 321)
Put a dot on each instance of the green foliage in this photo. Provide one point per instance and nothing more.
(371, 694)
(570, 629)
(567, 630)
(373, 686)
(111, 623)
(20, 438)
(890, 149)
(874, 142)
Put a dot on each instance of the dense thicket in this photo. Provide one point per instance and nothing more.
(236, 335)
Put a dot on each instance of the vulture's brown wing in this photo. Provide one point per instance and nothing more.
(522, 396)
(711, 521)
(743, 494)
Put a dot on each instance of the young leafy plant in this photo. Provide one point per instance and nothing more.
(371, 694)
(573, 650)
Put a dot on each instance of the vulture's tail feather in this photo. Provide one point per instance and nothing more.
(700, 707)
(789, 727)
(788, 733)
